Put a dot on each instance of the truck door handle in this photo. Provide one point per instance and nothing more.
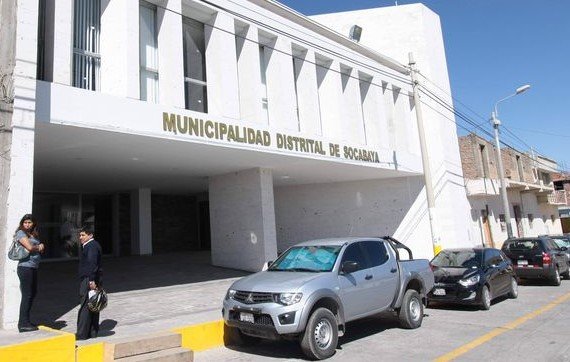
(368, 277)
(393, 270)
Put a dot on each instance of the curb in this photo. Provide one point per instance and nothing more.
(201, 337)
(62, 348)
(58, 348)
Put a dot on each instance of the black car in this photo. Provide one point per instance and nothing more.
(538, 258)
(563, 241)
(472, 276)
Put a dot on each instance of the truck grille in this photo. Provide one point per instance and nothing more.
(259, 319)
(253, 297)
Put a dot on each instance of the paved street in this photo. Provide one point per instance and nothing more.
(541, 336)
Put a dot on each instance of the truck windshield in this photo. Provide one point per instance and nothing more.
(458, 259)
(307, 259)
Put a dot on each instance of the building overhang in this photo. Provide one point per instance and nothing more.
(91, 141)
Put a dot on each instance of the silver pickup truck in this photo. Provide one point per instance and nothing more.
(314, 288)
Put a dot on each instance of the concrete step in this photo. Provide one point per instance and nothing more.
(167, 355)
(138, 345)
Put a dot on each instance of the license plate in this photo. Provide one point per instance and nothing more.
(439, 291)
(522, 262)
(246, 317)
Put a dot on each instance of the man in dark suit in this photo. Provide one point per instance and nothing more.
(89, 279)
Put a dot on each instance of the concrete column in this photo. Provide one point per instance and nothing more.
(221, 67)
(170, 54)
(18, 59)
(307, 93)
(281, 85)
(351, 124)
(141, 222)
(115, 224)
(120, 48)
(243, 239)
(249, 74)
(330, 96)
(63, 41)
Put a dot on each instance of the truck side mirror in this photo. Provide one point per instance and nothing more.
(349, 267)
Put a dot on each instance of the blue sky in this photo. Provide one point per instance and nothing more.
(493, 47)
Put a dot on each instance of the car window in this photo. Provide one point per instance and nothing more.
(522, 245)
(314, 258)
(376, 252)
(551, 245)
(469, 258)
(354, 253)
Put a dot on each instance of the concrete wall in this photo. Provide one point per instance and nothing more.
(396, 31)
(365, 208)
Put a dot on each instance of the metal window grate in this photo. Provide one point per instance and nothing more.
(86, 37)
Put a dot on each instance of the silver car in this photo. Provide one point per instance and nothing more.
(314, 288)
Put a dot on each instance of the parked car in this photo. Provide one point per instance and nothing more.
(314, 288)
(538, 258)
(472, 276)
(563, 241)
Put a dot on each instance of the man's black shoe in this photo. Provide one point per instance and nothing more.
(27, 329)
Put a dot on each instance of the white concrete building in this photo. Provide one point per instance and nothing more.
(241, 127)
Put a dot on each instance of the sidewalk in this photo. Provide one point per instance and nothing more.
(146, 294)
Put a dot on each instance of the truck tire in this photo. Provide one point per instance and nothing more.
(321, 335)
(411, 313)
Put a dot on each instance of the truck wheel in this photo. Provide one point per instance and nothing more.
(321, 335)
(411, 313)
(485, 298)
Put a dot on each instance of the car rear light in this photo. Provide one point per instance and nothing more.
(546, 259)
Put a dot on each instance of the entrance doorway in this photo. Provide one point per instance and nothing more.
(487, 228)
(61, 215)
(518, 219)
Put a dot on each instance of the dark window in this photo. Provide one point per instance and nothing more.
(354, 253)
(492, 257)
(195, 86)
(376, 252)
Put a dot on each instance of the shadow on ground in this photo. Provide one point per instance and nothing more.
(291, 349)
(58, 289)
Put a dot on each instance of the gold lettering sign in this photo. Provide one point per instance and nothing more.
(197, 127)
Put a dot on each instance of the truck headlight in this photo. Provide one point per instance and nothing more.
(287, 298)
(467, 282)
(230, 294)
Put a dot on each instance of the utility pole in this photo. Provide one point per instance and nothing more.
(8, 12)
(496, 124)
(425, 157)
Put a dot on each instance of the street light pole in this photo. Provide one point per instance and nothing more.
(496, 123)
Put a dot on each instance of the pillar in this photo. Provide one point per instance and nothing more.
(242, 218)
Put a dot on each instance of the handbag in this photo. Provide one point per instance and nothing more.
(97, 300)
(17, 251)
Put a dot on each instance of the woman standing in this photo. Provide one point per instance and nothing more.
(27, 235)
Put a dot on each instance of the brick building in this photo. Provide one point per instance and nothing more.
(533, 200)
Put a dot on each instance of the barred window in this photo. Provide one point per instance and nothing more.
(86, 51)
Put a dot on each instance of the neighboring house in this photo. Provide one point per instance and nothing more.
(562, 188)
(533, 200)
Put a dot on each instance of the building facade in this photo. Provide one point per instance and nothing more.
(533, 201)
(236, 127)
(562, 188)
